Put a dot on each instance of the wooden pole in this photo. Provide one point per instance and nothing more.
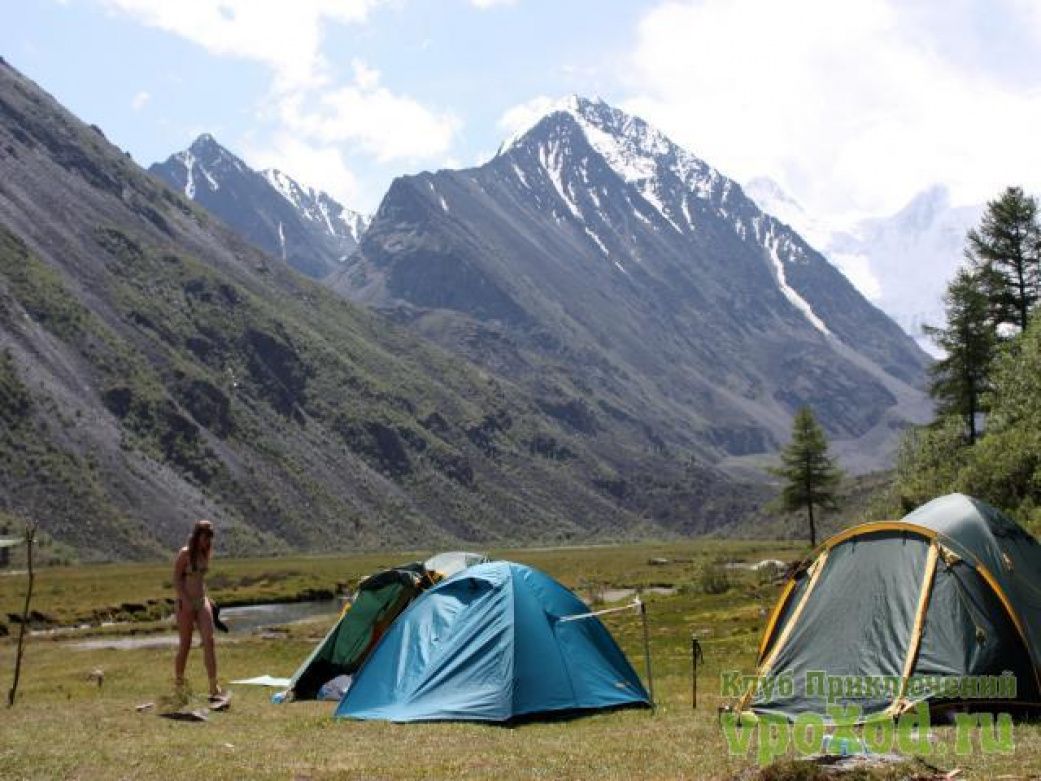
(30, 538)
(647, 651)
(695, 656)
(694, 672)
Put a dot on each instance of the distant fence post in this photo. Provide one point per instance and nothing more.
(695, 656)
(30, 538)
(647, 651)
(5, 552)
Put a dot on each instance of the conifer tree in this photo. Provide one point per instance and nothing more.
(969, 341)
(1008, 243)
(811, 474)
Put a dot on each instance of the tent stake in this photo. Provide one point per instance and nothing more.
(647, 651)
(30, 537)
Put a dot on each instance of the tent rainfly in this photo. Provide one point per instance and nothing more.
(951, 590)
(496, 642)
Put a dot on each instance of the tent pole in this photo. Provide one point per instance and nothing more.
(647, 651)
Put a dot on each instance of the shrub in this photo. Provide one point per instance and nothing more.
(715, 580)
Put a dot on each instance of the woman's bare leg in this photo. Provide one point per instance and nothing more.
(205, 621)
(185, 622)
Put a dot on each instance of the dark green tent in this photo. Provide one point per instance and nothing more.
(380, 599)
(900, 609)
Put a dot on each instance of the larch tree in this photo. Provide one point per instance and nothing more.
(1008, 242)
(969, 341)
(810, 474)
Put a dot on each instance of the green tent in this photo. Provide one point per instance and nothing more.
(380, 599)
(889, 614)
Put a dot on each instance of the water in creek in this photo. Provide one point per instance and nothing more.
(240, 620)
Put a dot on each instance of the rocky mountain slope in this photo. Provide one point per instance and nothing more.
(306, 228)
(636, 290)
(155, 368)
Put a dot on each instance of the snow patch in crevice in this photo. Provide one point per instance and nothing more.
(189, 165)
(283, 185)
(686, 212)
(551, 158)
(317, 207)
(633, 161)
(214, 187)
(282, 239)
(642, 156)
(596, 238)
(520, 174)
(323, 209)
(649, 195)
(640, 216)
(771, 244)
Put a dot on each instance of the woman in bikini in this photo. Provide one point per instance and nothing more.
(193, 607)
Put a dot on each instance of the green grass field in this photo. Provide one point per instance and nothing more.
(65, 726)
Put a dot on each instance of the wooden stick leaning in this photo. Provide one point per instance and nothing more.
(30, 538)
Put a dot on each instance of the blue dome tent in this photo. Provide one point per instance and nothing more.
(495, 642)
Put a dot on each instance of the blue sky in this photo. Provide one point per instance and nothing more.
(853, 106)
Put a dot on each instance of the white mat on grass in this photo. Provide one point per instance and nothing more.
(265, 680)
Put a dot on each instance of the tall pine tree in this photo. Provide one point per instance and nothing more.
(969, 341)
(811, 475)
(1008, 243)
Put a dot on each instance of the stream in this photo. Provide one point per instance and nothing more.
(241, 620)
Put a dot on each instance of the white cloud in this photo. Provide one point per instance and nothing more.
(364, 76)
(1030, 12)
(285, 36)
(309, 100)
(388, 126)
(491, 3)
(519, 118)
(855, 106)
(139, 100)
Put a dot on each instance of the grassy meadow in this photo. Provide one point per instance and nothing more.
(65, 726)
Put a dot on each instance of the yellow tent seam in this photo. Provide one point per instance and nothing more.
(816, 568)
(919, 624)
(1016, 621)
(877, 526)
(775, 614)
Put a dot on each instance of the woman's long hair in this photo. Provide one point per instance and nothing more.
(201, 528)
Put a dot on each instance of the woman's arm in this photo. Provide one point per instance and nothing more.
(179, 571)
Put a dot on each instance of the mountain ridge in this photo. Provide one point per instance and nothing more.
(669, 244)
(305, 227)
(902, 261)
(155, 367)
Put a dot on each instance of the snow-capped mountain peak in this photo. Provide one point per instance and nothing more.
(304, 226)
(637, 152)
(665, 185)
(596, 243)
